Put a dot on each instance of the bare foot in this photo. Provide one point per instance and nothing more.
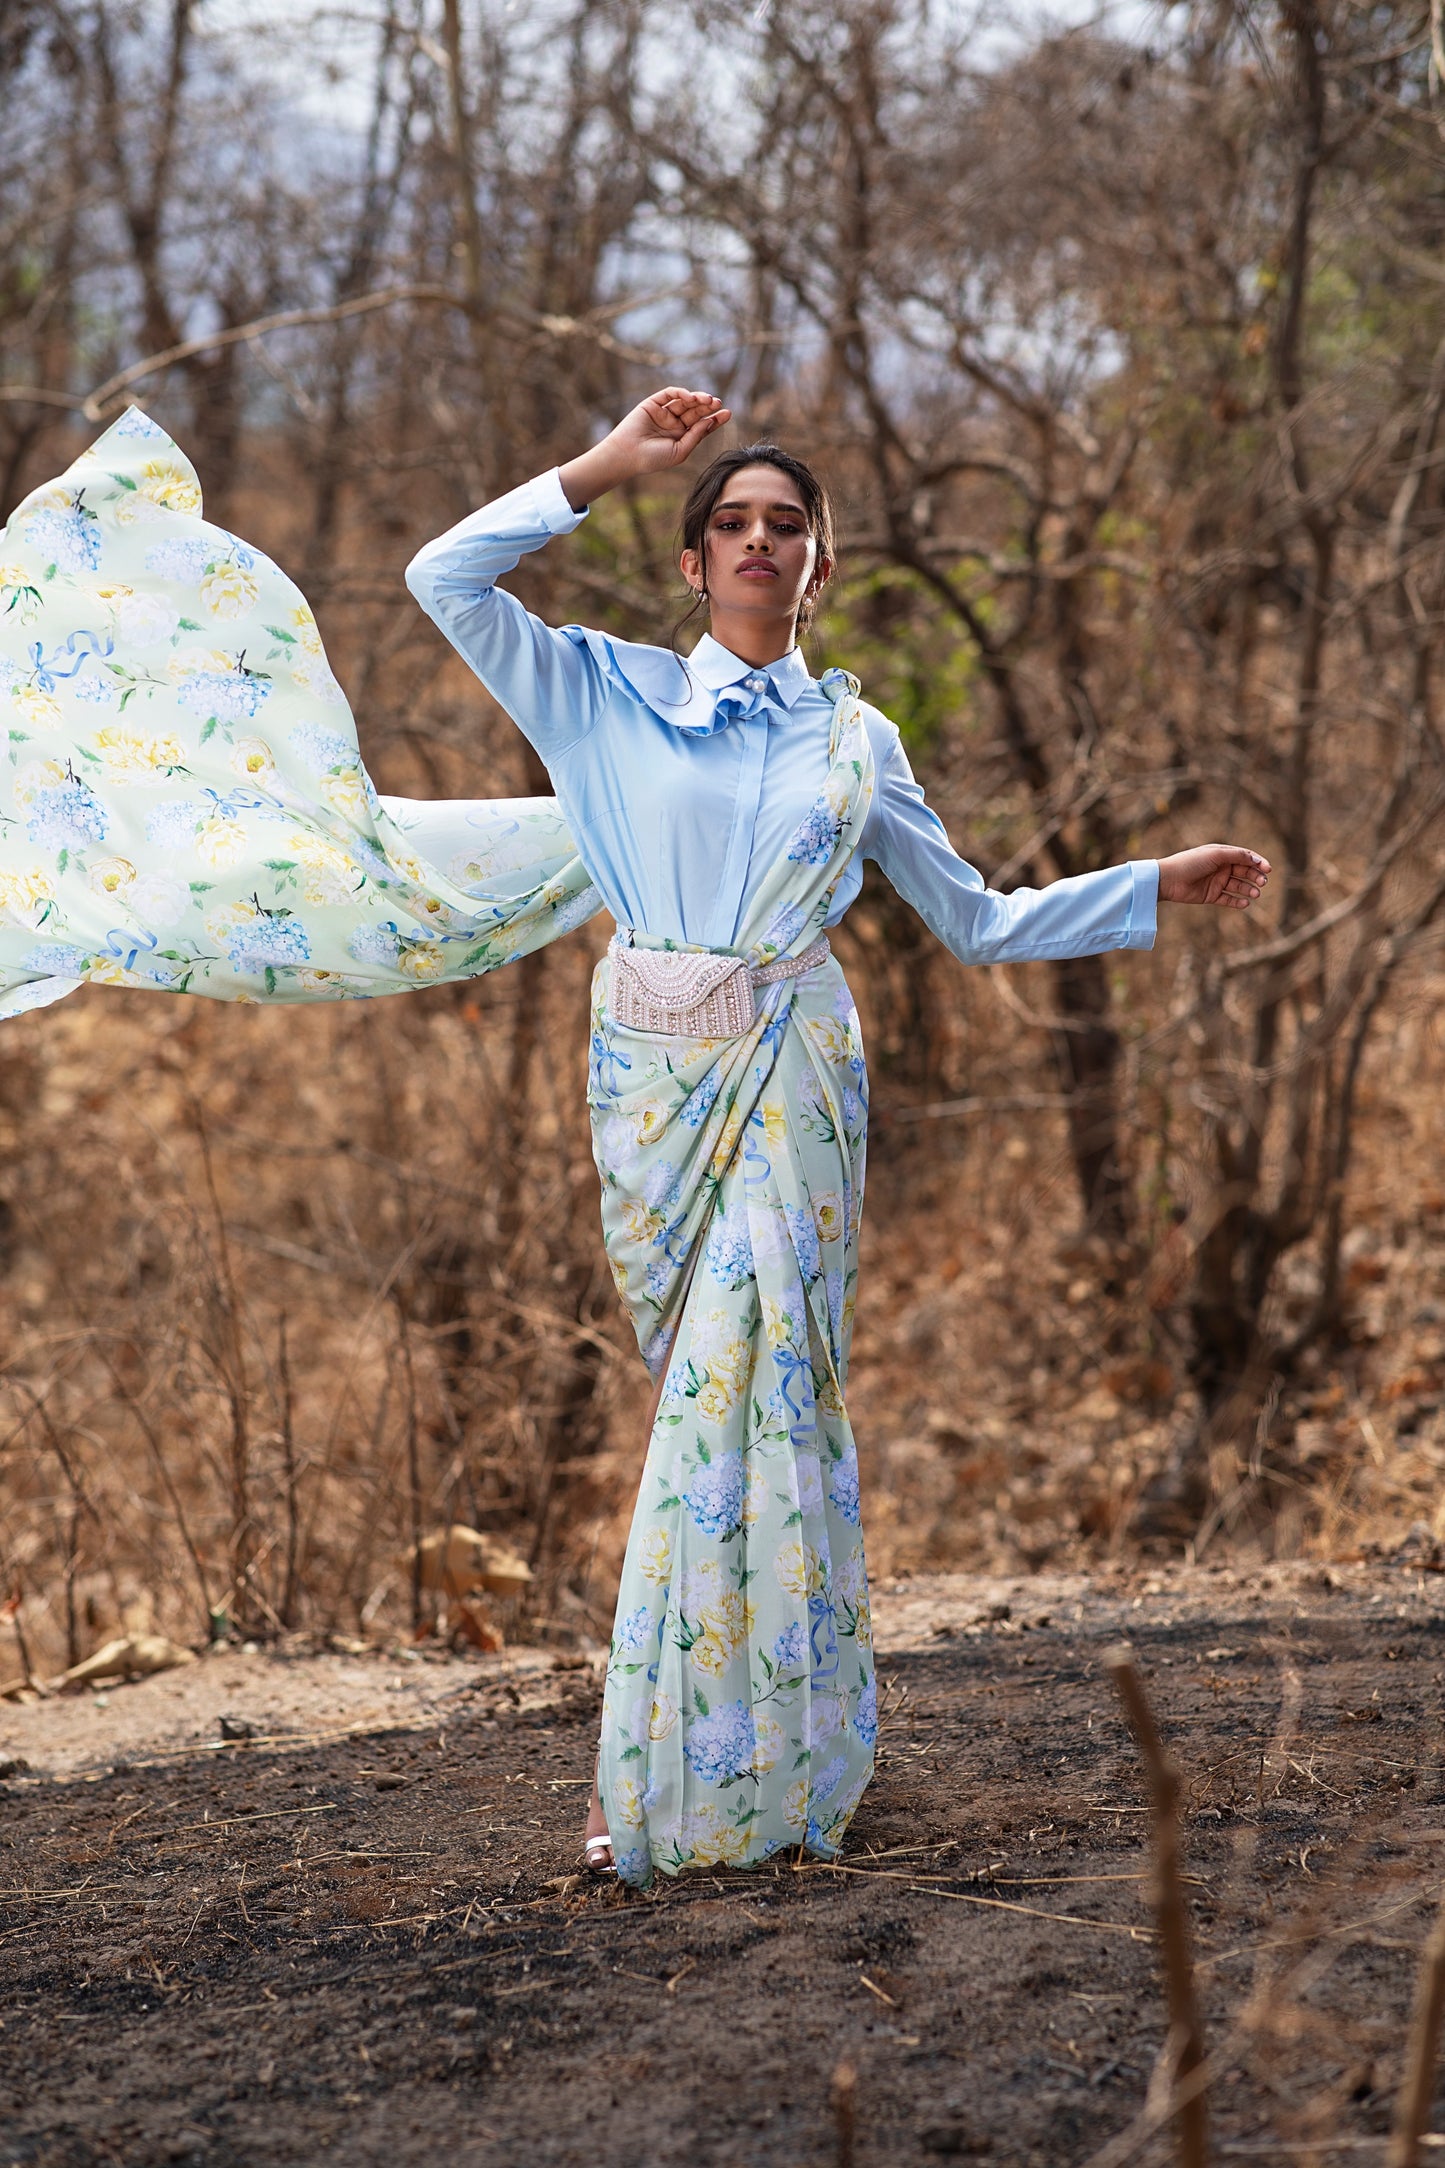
(596, 1842)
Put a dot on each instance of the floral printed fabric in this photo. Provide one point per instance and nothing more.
(185, 804)
(742, 1707)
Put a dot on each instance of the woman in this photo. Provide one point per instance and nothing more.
(186, 808)
(723, 807)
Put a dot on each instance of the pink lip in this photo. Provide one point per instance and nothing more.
(757, 568)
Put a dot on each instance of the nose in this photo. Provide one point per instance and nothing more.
(760, 541)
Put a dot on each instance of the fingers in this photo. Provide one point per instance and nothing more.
(1236, 854)
(703, 428)
(1226, 874)
(1245, 874)
(676, 411)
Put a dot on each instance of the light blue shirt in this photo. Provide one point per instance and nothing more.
(683, 781)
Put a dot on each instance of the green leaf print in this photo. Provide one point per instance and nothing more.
(699, 1701)
(124, 481)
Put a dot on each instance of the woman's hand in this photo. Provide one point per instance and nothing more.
(1222, 873)
(664, 431)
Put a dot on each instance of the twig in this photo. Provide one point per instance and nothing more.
(288, 1469)
(11, 1609)
(1184, 2024)
(967, 1897)
(236, 1821)
(845, 2100)
(1417, 2088)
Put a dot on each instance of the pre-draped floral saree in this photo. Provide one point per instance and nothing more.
(185, 808)
(741, 1706)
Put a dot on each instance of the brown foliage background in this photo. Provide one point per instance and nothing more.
(1127, 362)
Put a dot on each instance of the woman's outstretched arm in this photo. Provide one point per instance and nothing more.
(1084, 915)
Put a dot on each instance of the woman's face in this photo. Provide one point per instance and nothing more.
(761, 558)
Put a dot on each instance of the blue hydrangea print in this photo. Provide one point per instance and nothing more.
(98, 692)
(66, 816)
(268, 940)
(635, 1630)
(813, 843)
(189, 561)
(55, 960)
(714, 1497)
(729, 1252)
(71, 539)
(699, 1102)
(787, 924)
(173, 824)
(133, 423)
(375, 945)
(844, 1488)
(722, 1744)
(232, 696)
(865, 1721)
(803, 1229)
(323, 751)
(789, 1646)
(826, 1782)
(662, 1186)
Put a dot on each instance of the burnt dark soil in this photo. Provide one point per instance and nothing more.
(349, 1949)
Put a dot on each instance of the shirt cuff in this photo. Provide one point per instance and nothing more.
(554, 512)
(1143, 903)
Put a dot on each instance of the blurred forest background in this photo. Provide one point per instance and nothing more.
(1124, 348)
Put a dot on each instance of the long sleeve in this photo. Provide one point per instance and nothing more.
(550, 685)
(1081, 916)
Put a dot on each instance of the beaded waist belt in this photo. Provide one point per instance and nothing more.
(689, 996)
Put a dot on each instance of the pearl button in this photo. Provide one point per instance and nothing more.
(754, 684)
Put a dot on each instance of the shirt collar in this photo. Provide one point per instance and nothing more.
(716, 667)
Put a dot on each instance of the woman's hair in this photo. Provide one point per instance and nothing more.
(709, 486)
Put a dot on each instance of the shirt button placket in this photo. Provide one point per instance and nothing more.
(722, 932)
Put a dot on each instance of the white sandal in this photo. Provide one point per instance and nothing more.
(593, 1849)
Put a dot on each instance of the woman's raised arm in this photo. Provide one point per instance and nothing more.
(549, 684)
(664, 431)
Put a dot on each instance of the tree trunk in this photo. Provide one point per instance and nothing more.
(1089, 1055)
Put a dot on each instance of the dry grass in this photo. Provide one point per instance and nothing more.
(278, 1286)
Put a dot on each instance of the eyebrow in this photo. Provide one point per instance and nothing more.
(744, 504)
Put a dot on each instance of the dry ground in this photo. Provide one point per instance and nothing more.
(338, 1939)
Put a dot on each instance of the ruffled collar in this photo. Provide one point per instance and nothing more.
(709, 690)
